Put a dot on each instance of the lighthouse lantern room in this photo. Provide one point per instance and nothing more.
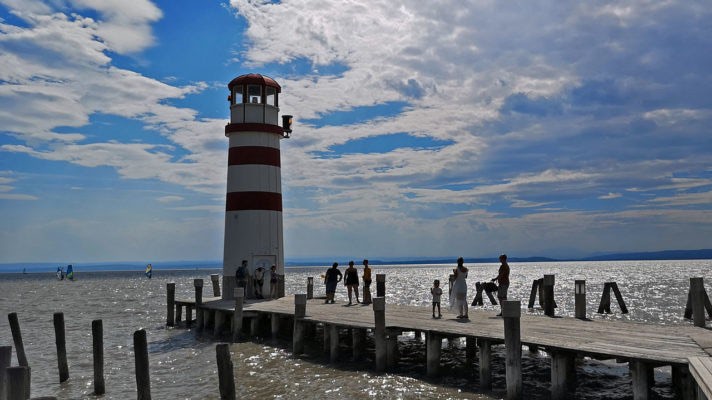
(253, 212)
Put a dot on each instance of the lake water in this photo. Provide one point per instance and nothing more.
(183, 367)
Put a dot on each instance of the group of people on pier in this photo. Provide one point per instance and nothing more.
(254, 283)
(458, 285)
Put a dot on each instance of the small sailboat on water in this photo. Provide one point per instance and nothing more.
(149, 271)
(70, 272)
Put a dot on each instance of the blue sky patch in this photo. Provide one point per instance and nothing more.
(383, 144)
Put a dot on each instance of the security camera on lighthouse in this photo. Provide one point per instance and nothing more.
(253, 212)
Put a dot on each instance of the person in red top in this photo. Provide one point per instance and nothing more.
(503, 281)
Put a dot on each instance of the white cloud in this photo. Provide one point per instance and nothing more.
(610, 196)
(169, 199)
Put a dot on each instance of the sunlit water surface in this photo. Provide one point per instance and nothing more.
(183, 367)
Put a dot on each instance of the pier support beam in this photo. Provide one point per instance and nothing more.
(198, 283)
(239, 294)
(392, 355)
(683, 382)
(432, 353)
(255, 325)
(511, 313)
(470, 349)
(640, 372)
(5, 359)
(379, 333)
(357, 343)
(485, 356)
(562, 374)
(326, 332)
(170, 303)
(300, 310)
(380, 285)
(215, 279)
(219, 324)
(310, 288)
(18, 383)
(274, 325)
(697, 297)
(333, 344)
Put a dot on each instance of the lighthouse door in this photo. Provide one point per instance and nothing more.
(266, 262)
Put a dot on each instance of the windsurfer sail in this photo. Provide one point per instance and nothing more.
(149, 271)
(70, 272)
(60, 273)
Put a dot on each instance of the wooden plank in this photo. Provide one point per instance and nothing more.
(701, 370)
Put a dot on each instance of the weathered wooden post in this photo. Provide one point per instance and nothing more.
(357, 339)
(20, 348)
(188, 316)
(477, 301)
(697, 289)
(300, 310)
(562, 374)
(170, 303)
(532, 295)
(198, 283)
(310, 288)
(18, 383)
(215, 279)
(61, 342)
(580, 298)
(683, 382)
(379, 333)
(605, 305)
(511, 313)
(333, 343)
(143, 381)
(619, 298)
(226, 376)
(326, 333)
(380, 285)
(549, 295)
(392, 355)
(274, 325)
(540, 289)
(433, 344)
(97, 335)
(470, 349)
(640, 372)
(5, 359)
(485, 356)
(219, 324)
(237, 315)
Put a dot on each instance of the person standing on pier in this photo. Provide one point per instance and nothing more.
(273, 279)
(241, 276)
(502, 280)
(436, 291)
(351, 281)
(458, 296)
(333, 277)
(259, 281)
(366, 283)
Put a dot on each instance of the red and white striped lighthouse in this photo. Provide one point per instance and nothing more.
(253, 213)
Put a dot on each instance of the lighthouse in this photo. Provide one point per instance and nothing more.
(253, 206)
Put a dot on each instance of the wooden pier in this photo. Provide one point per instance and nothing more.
(643, 346)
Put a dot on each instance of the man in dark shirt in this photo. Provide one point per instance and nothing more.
(502, 280)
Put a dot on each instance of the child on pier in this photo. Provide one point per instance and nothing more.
(436, 292)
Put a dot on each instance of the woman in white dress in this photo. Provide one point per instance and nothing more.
(458, 296)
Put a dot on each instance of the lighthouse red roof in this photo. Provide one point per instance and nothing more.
(255, 79)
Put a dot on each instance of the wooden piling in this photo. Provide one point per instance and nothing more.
(255, 325)
(97, 335)
(540, 289)
(549, 295)
(619, 298)
(326, 332)
(310, 288)
(580, 298)
(239, 294)
(640, 372)
(179, 309)
(333, 343)
(380, 285)
(18, 383)
(357, 343)
(432, 353)
(300, 309)
(562, 367)
(61, 343)
(215, 279)
(392, 355)
(379, 333)
(477, 301)
(20, 348)
(511, 313)
(532, 295)
(170, 303)
(226, 375)
(470, 349)
(274, 325)
(198, 284)
(697, 289)
(5, 359)
(143, 381)
(683, 382)
(219, 324)
(17, 339)
(485, 356)
(605, 305)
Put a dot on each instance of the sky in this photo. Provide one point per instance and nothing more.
(473, 128)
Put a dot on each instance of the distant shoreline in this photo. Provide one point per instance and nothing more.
(135, 266)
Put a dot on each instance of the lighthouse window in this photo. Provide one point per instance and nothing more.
(237, 94)
(270, 96)
(254, 93)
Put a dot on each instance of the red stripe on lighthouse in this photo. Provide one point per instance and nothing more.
(241, 201)
(260, 155)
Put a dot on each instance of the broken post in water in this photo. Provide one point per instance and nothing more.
(61, 346)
